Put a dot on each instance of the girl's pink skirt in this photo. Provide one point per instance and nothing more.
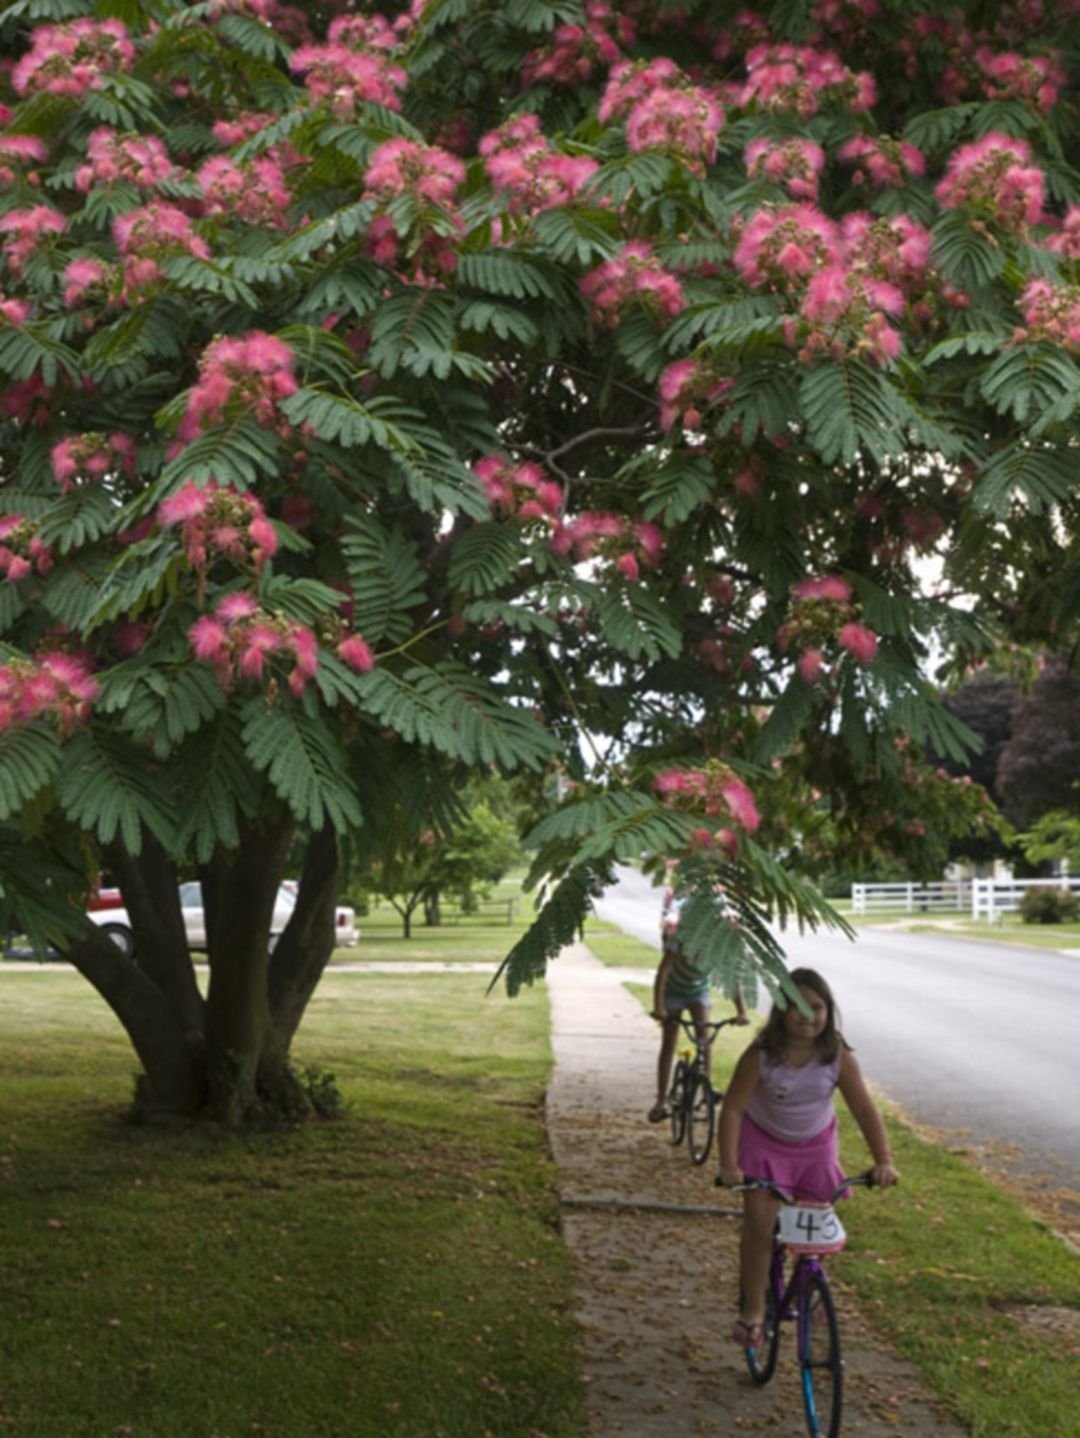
(802, 1170)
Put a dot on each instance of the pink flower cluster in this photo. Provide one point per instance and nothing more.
(1037, 79)
(846, 20)
(235, 129)
(520, 160)
(240, 640)
(519, 491)
(72, 58)
(82, 276)
(255, 191)
(577, 52)
(149, 235)
(17, 151)
(1066, 240)
(663, 110)
(345, 78)
(219, 523)
(993, 179)
(15, 312)
(801, 78)
(687, 387)
(90, 457)
(244, 373)
(626, 543)
(795, 164)
(1051, 313)
(431, 176)
(51, 685)
(22, 553)
(780, 246)
(139, 160)
(714, 790)
(28, 229)
(635, 275)
(822, 612)
(884, 162)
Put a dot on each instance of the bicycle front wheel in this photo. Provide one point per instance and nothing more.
(819, 1358)
(702, 1118)
(677, 1101)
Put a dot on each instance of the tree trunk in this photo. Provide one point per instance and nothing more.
(432, 911)
(239, 894)
(302, 951)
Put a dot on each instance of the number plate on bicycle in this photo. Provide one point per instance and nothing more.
(811, 1228)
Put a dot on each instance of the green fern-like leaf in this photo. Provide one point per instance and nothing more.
(459, 714)
(786, 721)
(77, 519)
(483, 316)
(484, 558)
(1028, 379)
(515, 617)
(237, 454)
(849, 409)
(1029, 474)
(303, 764)
(676, 486)
(220, 787)
(388, 579)
(32, 347)
(29, 759)
(635, 622)
(963, 254)
(106, 786)
(577, 237)
(341, 420)
(499, 273)
(556, 925)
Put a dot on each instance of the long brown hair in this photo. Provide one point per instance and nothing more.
(773, 1036)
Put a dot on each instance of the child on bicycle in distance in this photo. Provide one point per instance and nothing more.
(778, 1122)
(679, 984)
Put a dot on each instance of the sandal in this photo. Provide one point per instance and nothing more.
(748, 1335)
(658, 1113)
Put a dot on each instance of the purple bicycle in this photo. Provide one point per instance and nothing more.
(808, 1230)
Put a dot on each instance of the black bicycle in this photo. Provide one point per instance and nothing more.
(692, 1100)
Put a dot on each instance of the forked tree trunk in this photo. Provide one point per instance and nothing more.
(225, 1056)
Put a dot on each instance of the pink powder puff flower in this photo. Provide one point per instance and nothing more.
(627, 566)
(258, 641)
(859, 641)
(186, 503)
(740, 802)
(809, 664)
(72, 58)
(992, 175)
(237, 606)
(356, 653)
(826, 586)
(16, 312)
(207, 637)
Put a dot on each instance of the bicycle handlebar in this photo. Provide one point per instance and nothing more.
(861, 1180)
(713, 1025)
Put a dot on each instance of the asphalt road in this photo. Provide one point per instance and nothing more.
(981, 1039)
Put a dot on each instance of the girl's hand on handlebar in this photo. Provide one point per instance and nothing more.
(729, 1177)
(883, 1175)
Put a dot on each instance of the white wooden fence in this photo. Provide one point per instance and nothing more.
(981, 898)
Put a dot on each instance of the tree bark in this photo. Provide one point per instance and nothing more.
(302, 951)
(239, 893)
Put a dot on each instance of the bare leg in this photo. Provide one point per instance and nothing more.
(755, 1251)
(669, 1034)
(699, 1012)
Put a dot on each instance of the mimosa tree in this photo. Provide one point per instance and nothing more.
(551, 387)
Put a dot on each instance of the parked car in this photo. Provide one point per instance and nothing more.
(107, 911)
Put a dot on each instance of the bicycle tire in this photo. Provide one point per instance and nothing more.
(677, 1101)
(819, 1358)
(762, 1361)
(701, 1111)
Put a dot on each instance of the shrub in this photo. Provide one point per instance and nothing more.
(1049, 906)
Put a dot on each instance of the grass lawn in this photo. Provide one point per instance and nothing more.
(486, 937)
(1007, 929)
(396, 1274)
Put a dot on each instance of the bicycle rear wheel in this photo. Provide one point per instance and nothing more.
(677, 1101)
(702, 1117)
(761, 1361)
(819, 1358)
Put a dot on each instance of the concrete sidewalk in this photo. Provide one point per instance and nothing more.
(655, 1249)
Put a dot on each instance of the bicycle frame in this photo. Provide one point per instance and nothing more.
(806, 1299)
(691, 1100)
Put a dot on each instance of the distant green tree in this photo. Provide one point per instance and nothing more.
(1038, 770)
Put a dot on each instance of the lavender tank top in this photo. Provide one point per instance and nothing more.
(794, 1104)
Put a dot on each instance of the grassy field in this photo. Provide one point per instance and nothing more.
(395, 1275)
(1007, 929)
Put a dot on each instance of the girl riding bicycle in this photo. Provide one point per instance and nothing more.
(778, 1122)
(679, 985)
